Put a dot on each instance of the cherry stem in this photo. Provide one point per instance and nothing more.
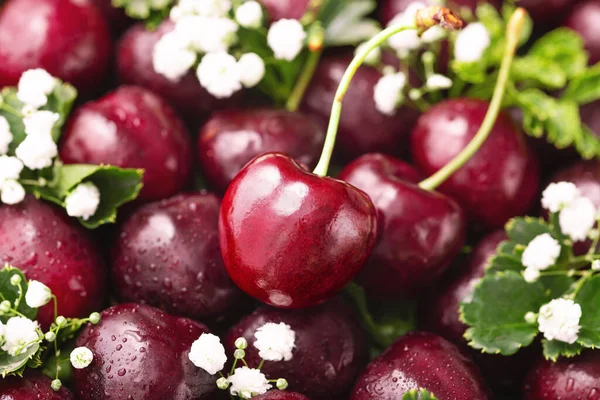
(513, 34)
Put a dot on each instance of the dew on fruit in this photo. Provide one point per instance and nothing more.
(121, 372)
(570, 384)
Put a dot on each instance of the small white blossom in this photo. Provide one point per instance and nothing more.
(83, 201)
(219, 74)
(81, 357)
(408, 40)
(205, 8)
(208, 353)
(471, 43)
(438, 81)
(38, 294)
(40, 123)
(20, 333)
(207, 35)
(388, 92)
(559, 320)
(530, 318)
(373, 57)
(249, 14)
(171, 56)
(286, 38)
(578, 218)
(541, 252)
(433, 34)
(248, 382)
(12, 192)
(252, 69)
(531, 275)
(10, 168)
(37, 152)
(275, 342)
(34, 87)
(6, 136)
(558, 195)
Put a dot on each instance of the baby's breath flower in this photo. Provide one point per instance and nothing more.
(38, 294)
(530, 318)
(20, 333)
(388, 92)
(241, 343)
(37, 151)
(252, 69)
(219, 74)
(286, 38)
(541, 253)
(12, 192)
(249, 14)
(559, 320)
(34, 87)
(171, 56)
(6, 136)
(222, 383)
(248, 382)
(40, 123)
(438, 81)
(433, 34)
(275, 342)
(578, 218)
(83, 201)
(56, 385)
(281, 384)
(531, 275)
(205, 8)
(208, 353)
(81, 357)
(208, 35)
(10, 168)
(596, 265)
(558, 195)
(471, 43)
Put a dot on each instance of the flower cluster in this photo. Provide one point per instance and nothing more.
(205, 33)
(274, 342)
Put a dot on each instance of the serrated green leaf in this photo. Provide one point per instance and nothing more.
(496, 313)
(554, 349)
(524, 230)
(419, 394)
(585, 87)
(564, 47)
(588, 146)
(544, 73)
(11, 293)
(588, 298)
(502, 262)
(10, 365)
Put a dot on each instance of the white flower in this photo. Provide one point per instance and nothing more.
(208, 353)
(252, 69)
(37, 152)
(286, 38)
(275, 342)
(438, 81)
(373, 57)
(10, 168)
(471, 43)
(388, 92)
(81, 357)
(20, 334)
(34, 87)
(205, 8)
(408, 40)
(249, 14)
(248, 382)
(6, 136)
(531, 275)
(40, 123)
(207, 34)
(559, 320)
(38, 294)
(596, 265)
(12, 192)
(219, 74)
(541, 252)
(83, 201)
(558, 195)
(433, 34)
(578, 218)
(171, 56)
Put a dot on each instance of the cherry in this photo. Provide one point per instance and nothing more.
(420, 360)
(330, 348)
(499, 182)
(141, 353)
(567, 379)
(390, 8)
(167, 255)
(586, 176)
(232, 138)
(33, 385)
(132, 128)
(290, 238)
(69, 39)
(115, 16)
(363, 129)
(547, 11)
(279, 395)
(134, 66)
(584, 20)
(420, 231)
(47, 246)
(591, 117)
(289, 9)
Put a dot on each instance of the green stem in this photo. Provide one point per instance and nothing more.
(594, 244)
(513, 33)
(357, 294)
(11, 110)
(336, 109)
(581, 282)
(262, 362)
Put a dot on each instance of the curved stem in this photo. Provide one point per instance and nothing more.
(513, 33)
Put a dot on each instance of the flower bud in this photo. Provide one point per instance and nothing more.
(61, 321)
(5, 306)
(15, 280)
(222, 383)
(50, 336)
(241, 343)
(239, 354)
(94, 318)
(56, 385)
(282, 384)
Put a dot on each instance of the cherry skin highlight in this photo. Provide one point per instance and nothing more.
(290, 238)
(585, 20)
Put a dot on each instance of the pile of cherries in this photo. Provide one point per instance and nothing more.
(183, 261)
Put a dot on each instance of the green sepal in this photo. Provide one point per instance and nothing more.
(554, 349)
(419, 394)
(11, 293)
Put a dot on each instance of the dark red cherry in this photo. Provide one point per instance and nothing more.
(141, 353)
(69, 39)
(115, 16)
(289, 9)
(590, 115)
(50, 247)
(499, 182)
(232, 138)
(290, 238)
(281, 395)
(567, 379)
(167, 255)
(33, 385)
(132, 128)
(390, 8)
(134, 66)
(421, 360)
(585, 20)
(420, 232)
(331, 348)
(363, 129)
(547, 11)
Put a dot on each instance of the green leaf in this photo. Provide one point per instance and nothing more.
(554, 348)
(419, 394)
(496, 313)
(11, 293)
(347, 22)
(473, 72)
(544, 73)
(152, 12)
(585, 87)
(524, 230)
(564, 47)
(588, 298)
(10, 365)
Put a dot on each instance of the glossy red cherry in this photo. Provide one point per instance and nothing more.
(33, 385)
(69, 39)
(420, 360)
(499, 182)
(289, 9)
(115, 16)
(363, 128)
(280, 395)
(290, 238)
(547, 11)
(167, 255)
(390, 8)
(420, 232)
(132, 128)
(567, 379)
(50, 247)
(330, 348)
(585, 20)
(134, 66)
(232, 138)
